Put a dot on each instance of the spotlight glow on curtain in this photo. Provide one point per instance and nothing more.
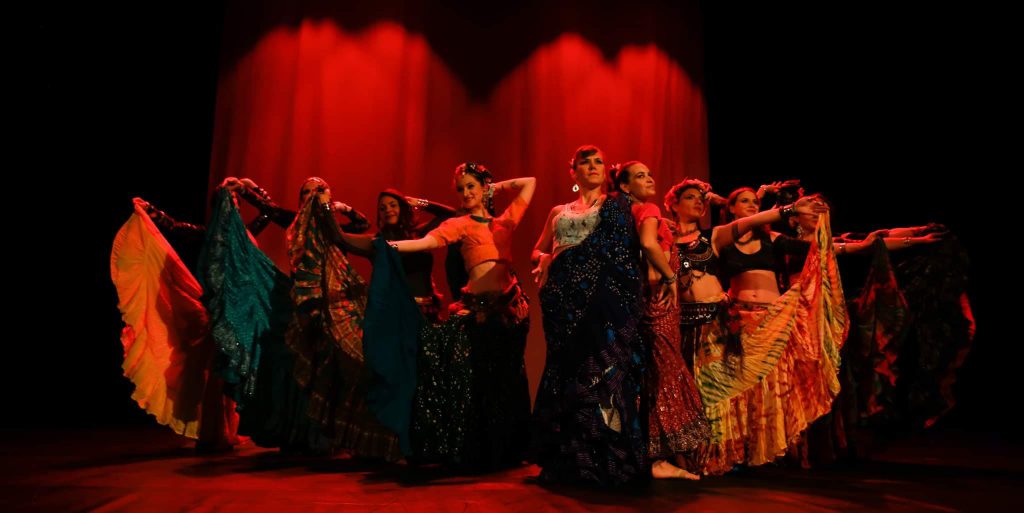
(377, 107)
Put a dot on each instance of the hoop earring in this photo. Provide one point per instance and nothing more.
(576, 187)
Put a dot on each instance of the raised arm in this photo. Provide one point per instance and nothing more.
(525, 185)
(725, 235)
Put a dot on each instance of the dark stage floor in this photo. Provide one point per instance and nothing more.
(149, 469)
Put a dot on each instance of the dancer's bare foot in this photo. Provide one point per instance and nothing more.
(665, 470)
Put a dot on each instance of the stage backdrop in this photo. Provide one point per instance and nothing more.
(399, 96)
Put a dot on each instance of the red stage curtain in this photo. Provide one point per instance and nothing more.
(376, 106)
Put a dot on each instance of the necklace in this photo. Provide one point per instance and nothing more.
(574, 208)
(745, 242)
(687, 232)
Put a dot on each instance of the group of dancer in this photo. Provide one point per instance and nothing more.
(673, 351)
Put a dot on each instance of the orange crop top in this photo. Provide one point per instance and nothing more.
(482, 241)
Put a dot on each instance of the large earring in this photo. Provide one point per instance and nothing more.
(575, 187)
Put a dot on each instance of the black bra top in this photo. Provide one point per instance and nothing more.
(771, 256)
(698, 255)
(735, 262)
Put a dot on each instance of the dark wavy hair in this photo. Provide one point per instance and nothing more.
(583, 152)
(619, 174)
(731, 200)
(404, 229)
(677, 190)
(481, 174)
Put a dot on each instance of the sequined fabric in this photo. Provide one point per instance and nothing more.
(250, 308)
(472, 403)
(441, 404)
(676, 421)
(587, 417)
